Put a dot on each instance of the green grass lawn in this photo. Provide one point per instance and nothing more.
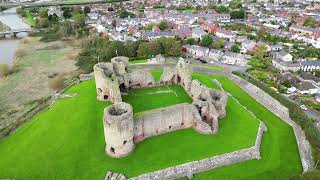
(67, 142)
(29, 19)
(152, 98)
(141, 61)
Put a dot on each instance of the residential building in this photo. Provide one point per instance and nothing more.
(222, 33)
(305, 30)
(198, 33)
(305, 87)
(285, 65)
(156, 35)
(215, 54)
(183, 31)
(310, 66)
(197, 51)
(234, 59)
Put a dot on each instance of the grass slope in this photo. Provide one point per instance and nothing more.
(152, 98)
(67, 142)
(280, 157)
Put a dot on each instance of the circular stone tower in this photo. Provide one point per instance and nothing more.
(118, 129)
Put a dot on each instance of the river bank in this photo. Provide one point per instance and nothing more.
(36, 64)
(11, 21)
(7, 51)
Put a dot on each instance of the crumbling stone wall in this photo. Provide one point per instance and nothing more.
(194, 167)
(138, 79)
(282, 112)
(163, 120)
(112, 78)
(203, 114)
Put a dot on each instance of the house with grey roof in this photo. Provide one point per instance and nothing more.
(285, 65)
(156, 35)
(284, 56)
(197, 32)
(276, 48)
(305, 87)
(197, 51)
(248, 45)
(234, 58)
(215, 54)
(310, 66)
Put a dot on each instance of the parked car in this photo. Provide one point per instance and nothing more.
(303, 107)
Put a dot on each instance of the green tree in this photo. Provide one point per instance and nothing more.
(260, 52)
(261, 32)
(218, 44)
(144, 50)
(235, 4)
(235, 48)
(79, 20)
(150, 25)
(67, 13)
(163, 25)
(170, 46)
(43, 13)
(42, 22)
(155, 47)
(125, 14)
(238, 14)
(311, 22)
(86, 9)
(206, 40)
(132, 47)
(190, 41)
(222, 9)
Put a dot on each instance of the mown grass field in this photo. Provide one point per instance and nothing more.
(157, 97)
(67, 142)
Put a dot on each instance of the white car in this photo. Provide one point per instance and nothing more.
(303, 107)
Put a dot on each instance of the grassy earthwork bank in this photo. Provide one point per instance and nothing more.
(67, 142)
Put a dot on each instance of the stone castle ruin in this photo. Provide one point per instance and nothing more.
(122, 129)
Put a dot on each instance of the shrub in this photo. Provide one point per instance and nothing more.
(57, 82)
(4, 70)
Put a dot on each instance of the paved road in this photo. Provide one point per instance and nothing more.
(310, 113)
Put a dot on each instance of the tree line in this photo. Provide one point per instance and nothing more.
(100, 49)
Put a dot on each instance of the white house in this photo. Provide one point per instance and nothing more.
(197, 51)
(284, 56)
(234, 59)
(285, 65)
(215, 54)
(222, 33)
(305, 87)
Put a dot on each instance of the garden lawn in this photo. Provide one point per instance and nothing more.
(151, 98)
(67, 142)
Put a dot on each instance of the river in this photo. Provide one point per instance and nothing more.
(8, 46)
